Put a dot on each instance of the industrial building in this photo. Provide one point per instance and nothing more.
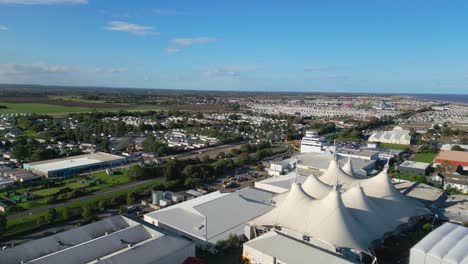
(116, 239)
(414, 167)
(270, 249)
(74, 165)
(451, 159)
(214, 216)
(447, 244)
(396, 136)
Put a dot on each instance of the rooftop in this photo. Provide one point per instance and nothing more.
(274, 244)
(453, 155)
(214, 216)
(112, 240)
(414, 164)
(75, 161)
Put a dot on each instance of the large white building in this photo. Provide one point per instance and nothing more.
(395, 136)
(312, 142)
(337, 212)
(447, 244)
(214, 216)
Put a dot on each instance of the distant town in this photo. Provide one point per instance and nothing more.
(104, 175)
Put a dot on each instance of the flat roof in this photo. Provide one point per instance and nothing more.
(72, 162)
(214, 216)
(291, 250)
(453, 155)
(414, 164)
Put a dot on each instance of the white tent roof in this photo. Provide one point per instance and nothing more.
(334, 174)
(326, 220)
(396, 203)
(335, 225)
(348, 168)
(354, 219)
(446, 244)
(368, 213)
(315, 188)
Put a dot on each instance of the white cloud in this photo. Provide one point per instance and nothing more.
(318, 68)
(231, 71)
(172, 50)
(3, 28)
(191, 41)
(110, 70)
(42, 2)
(32, 69)
(130, 28)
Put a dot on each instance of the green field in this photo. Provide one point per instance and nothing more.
(56, 109)
(106, 181)
(424, 157)
(29, 223)
(74, 99)
(393, 146)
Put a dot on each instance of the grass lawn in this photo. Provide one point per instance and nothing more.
(74, 99)
(51, 191)
(393, 146)
(40, 108)
(424, 157)
(411, 177)
(58, 109)
(108, 181)
(28, 223)
(117, 178)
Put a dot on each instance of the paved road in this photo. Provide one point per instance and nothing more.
(82, 198)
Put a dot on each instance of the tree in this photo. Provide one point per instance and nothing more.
(66, 213)
(188, 171)
(88, 212)
(135, 172)
(40, 220)
(52, 215)
(131, 198)
(243, 158)
(24, 123)
(192, 182)
(231, 243)
(170, 171)
(3, 223)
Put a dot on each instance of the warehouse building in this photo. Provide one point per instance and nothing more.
(451, 159)
(414, 167)
(396, 136)
(214, 216)
(116, 239)
(74, 165)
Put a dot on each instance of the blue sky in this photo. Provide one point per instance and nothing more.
(409, 46)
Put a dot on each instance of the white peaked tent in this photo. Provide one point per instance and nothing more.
(348, 168)
(335, 175)
(329, 220)
(285, 214)
(394, 202)
(368, 213)
(315, 188)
